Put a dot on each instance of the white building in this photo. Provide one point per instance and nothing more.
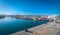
(52, 17)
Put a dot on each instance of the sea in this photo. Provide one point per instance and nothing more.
(9, 25)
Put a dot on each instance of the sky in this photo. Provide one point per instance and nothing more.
(30, 7)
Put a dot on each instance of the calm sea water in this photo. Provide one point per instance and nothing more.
(10, 25)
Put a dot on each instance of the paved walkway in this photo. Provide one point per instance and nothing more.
(52, 28)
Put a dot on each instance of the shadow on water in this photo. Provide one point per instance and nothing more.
(11, 25)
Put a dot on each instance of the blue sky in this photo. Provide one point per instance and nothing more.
(30, 7)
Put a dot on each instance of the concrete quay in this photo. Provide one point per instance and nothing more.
(51, 28)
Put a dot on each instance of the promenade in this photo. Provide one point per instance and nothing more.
(51, 28)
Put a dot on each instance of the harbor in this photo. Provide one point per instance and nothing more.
(51, 28)
(13, 25)
(29, 17)
(22, 25)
